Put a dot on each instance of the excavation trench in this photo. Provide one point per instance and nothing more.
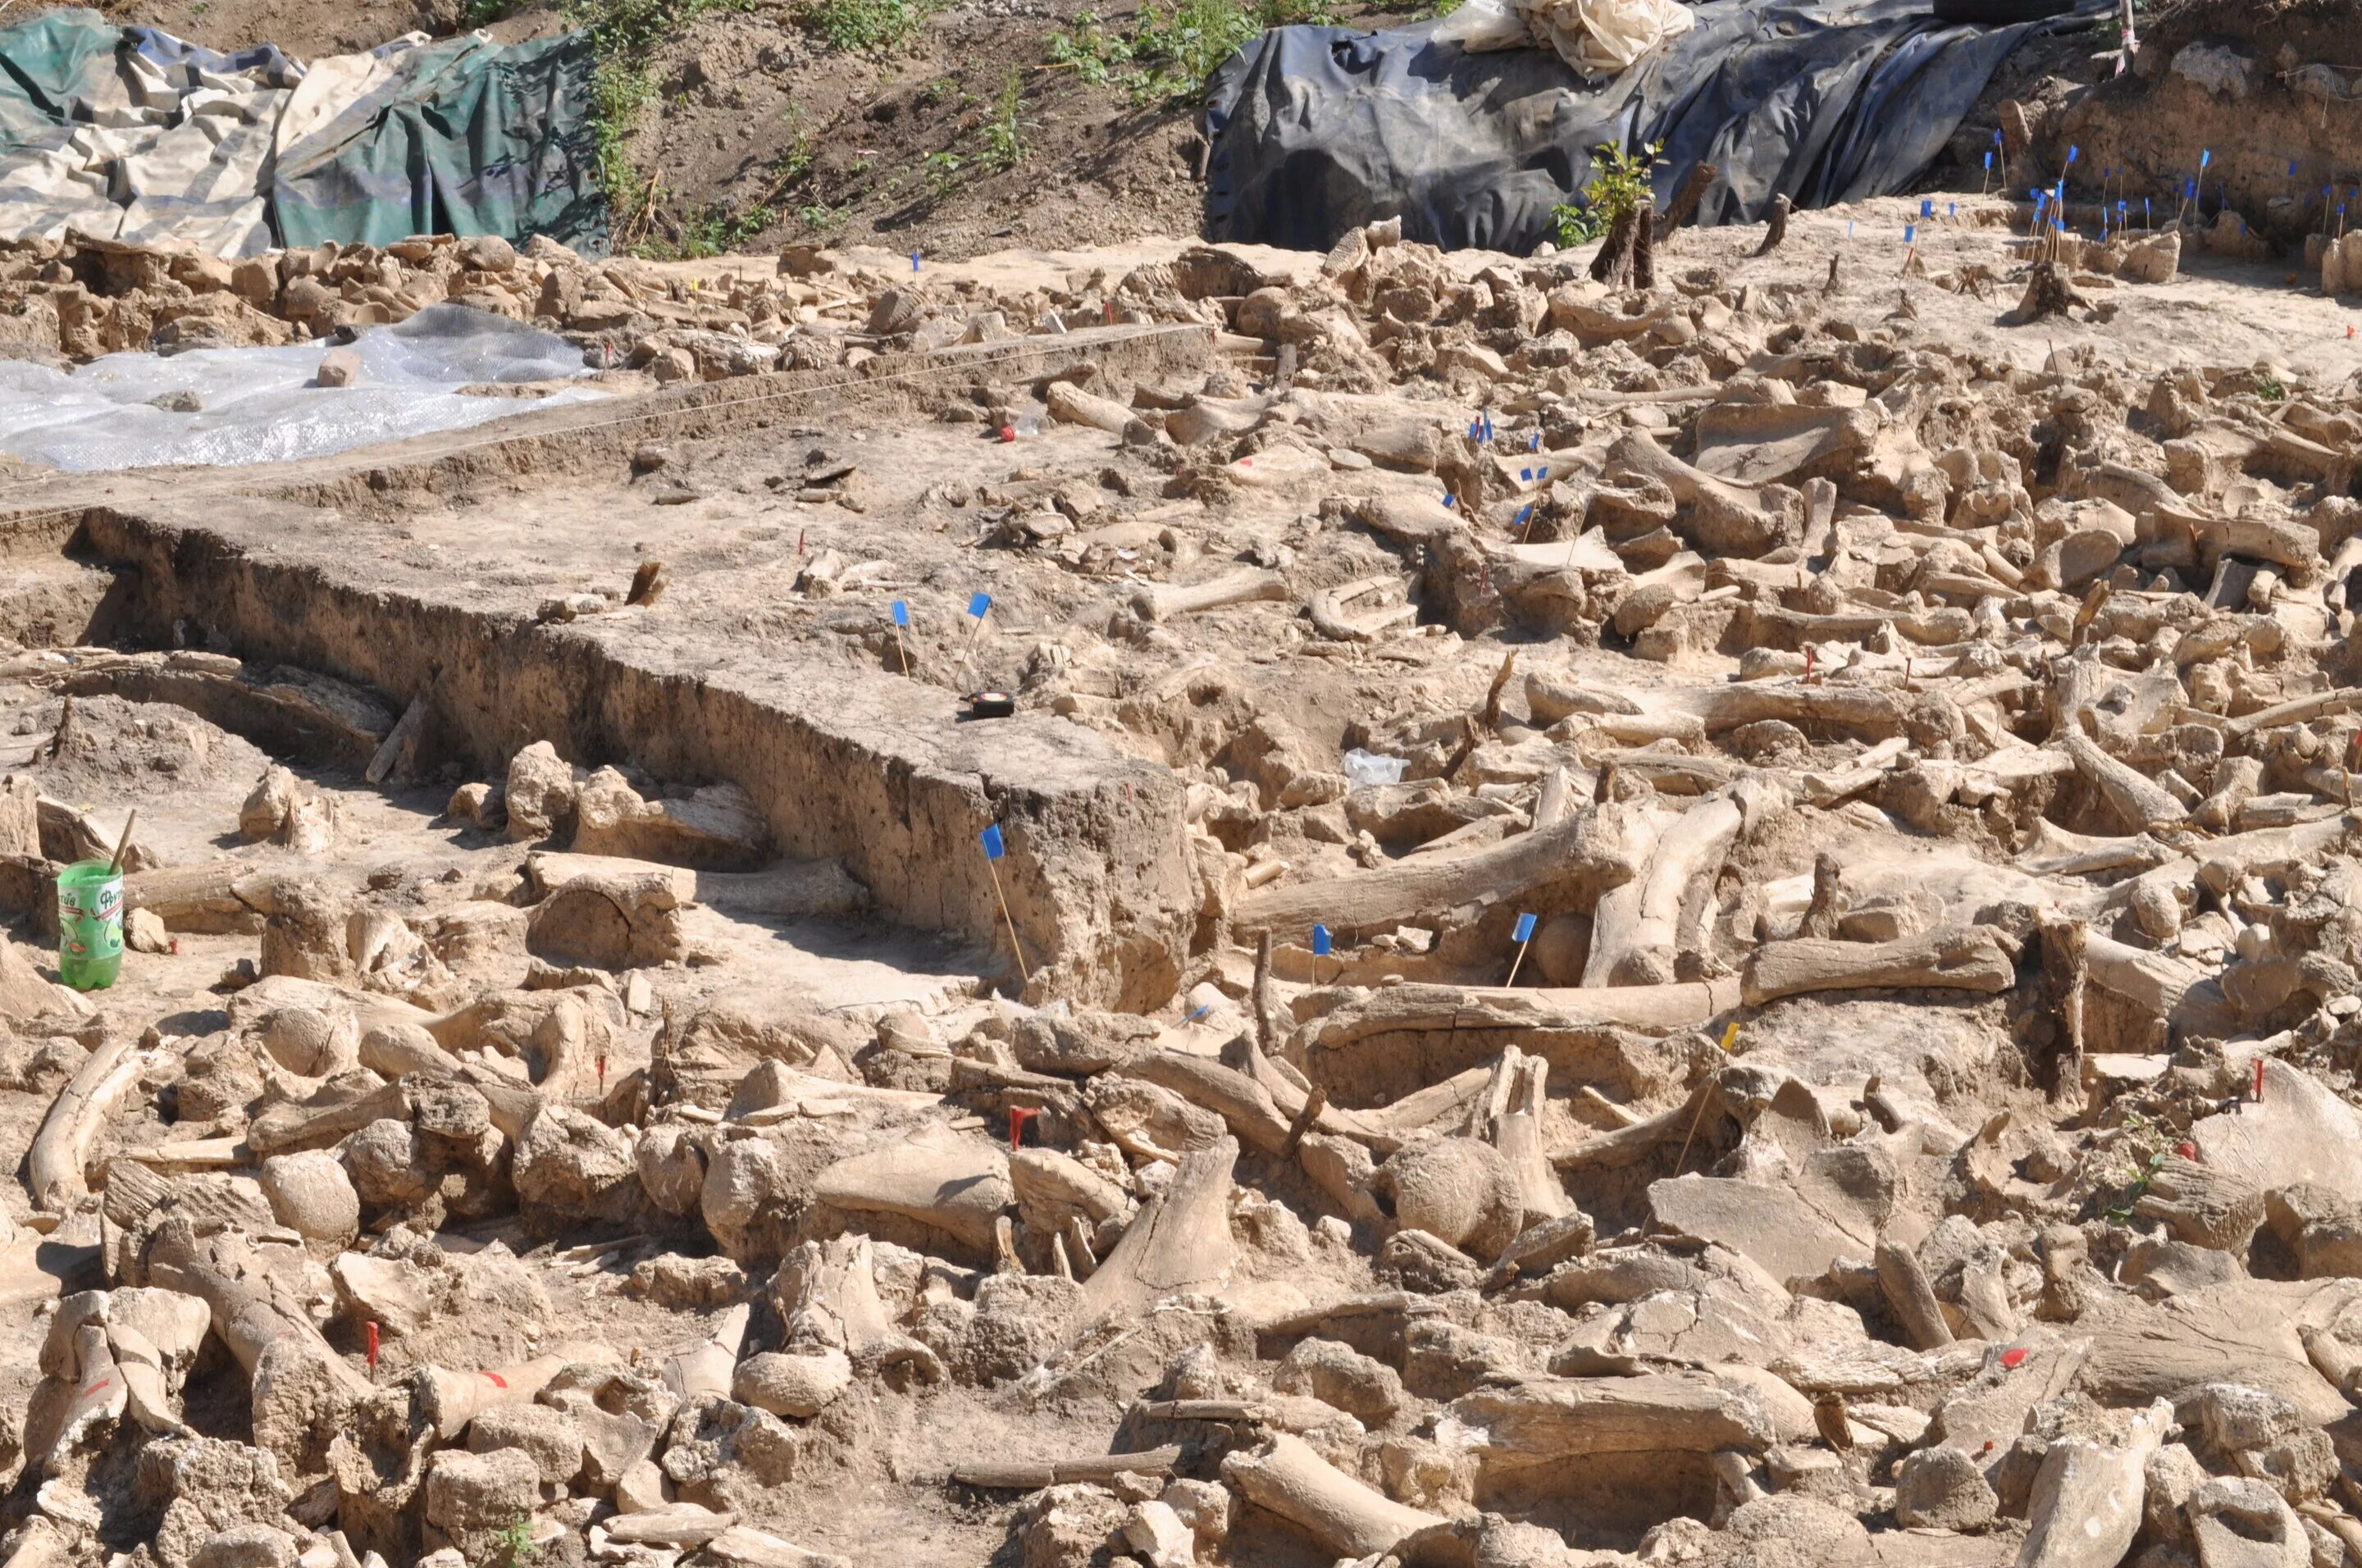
(881, 772)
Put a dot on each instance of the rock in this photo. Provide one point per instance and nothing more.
(740, 1547)
(687, 1284)
(1942, 1488)
(312, 1195)
(384, 1162)
(267, 805)
(483, 805)
(540, 793)
(482, 1491)
(26, 994)
(616, 921)
(549, 1436)
(143, 932)
(395, 1294)
(487, 253)
(1459, 1190)
(1155, 1531)
(1367, 1389)
(717, 827)
(2243, 1523)
(245, 1546)
(798, 1386)
(641, 1488)
(1068, 1527)
(338, 368)
(309, 1043)
(896, 310)
(570, 1167)
(213, 1485)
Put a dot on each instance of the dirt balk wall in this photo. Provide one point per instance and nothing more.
(2248, 106)
(874, 768)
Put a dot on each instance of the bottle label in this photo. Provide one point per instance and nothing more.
(90, 920)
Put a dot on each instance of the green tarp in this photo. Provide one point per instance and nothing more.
(465, 136)
(128, 133)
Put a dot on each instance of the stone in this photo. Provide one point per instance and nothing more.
(611, 920)
(384, 1162)
(267, 805)
(245, 1546)
(482, 1491)
(308, 1042)
(1942, 1488)
(487, 253)
(1365, 1389)
(641, 1488)
(549, 1436)
(338, 368)
(571, 1166)
(540, 792)
(1457, 1190)
(2243, 1523)
(143, 932)
(798, 1386)
(1156, 1532)
(312, 1195)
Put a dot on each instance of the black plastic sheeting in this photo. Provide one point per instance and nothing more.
(1316, 130)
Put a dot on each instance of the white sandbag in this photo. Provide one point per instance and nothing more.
(1597, 37)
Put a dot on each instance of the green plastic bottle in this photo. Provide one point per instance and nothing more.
(89, 925)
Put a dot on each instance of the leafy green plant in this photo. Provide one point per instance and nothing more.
(821, 218)
(2271, 390)
(1574, 226)
(625, 36)
(865, 26)
(1179, 48)
(943, 172)
(477, 13)
(1618, 187)
(515, 1543)
(1007, 142)
(2143, 1148)
(1094, 54)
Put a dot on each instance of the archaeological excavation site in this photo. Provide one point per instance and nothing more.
(941, 783)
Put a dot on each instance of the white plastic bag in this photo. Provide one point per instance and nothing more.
(1598, 38)
(1480, 26)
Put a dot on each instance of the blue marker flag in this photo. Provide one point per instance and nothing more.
(1525, 475)
(1951, 209)
(1320, 942)
(2073, 153)
(914, 260)
(1927, 206)
(901, 613)
(1525, 929)
(1987, 160)
(1447, 501)
(2204, 158)
(1525, 512)
(2291, 168)
(1910, 233)
(1544, 470)
(1538, 442)
(979, 604)
(990, 837)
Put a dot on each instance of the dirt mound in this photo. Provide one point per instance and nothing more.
(2314, 29)
(743, 125)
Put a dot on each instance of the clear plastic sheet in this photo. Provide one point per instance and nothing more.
(259, 405)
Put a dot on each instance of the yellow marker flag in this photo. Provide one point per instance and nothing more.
(1729, 1036)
